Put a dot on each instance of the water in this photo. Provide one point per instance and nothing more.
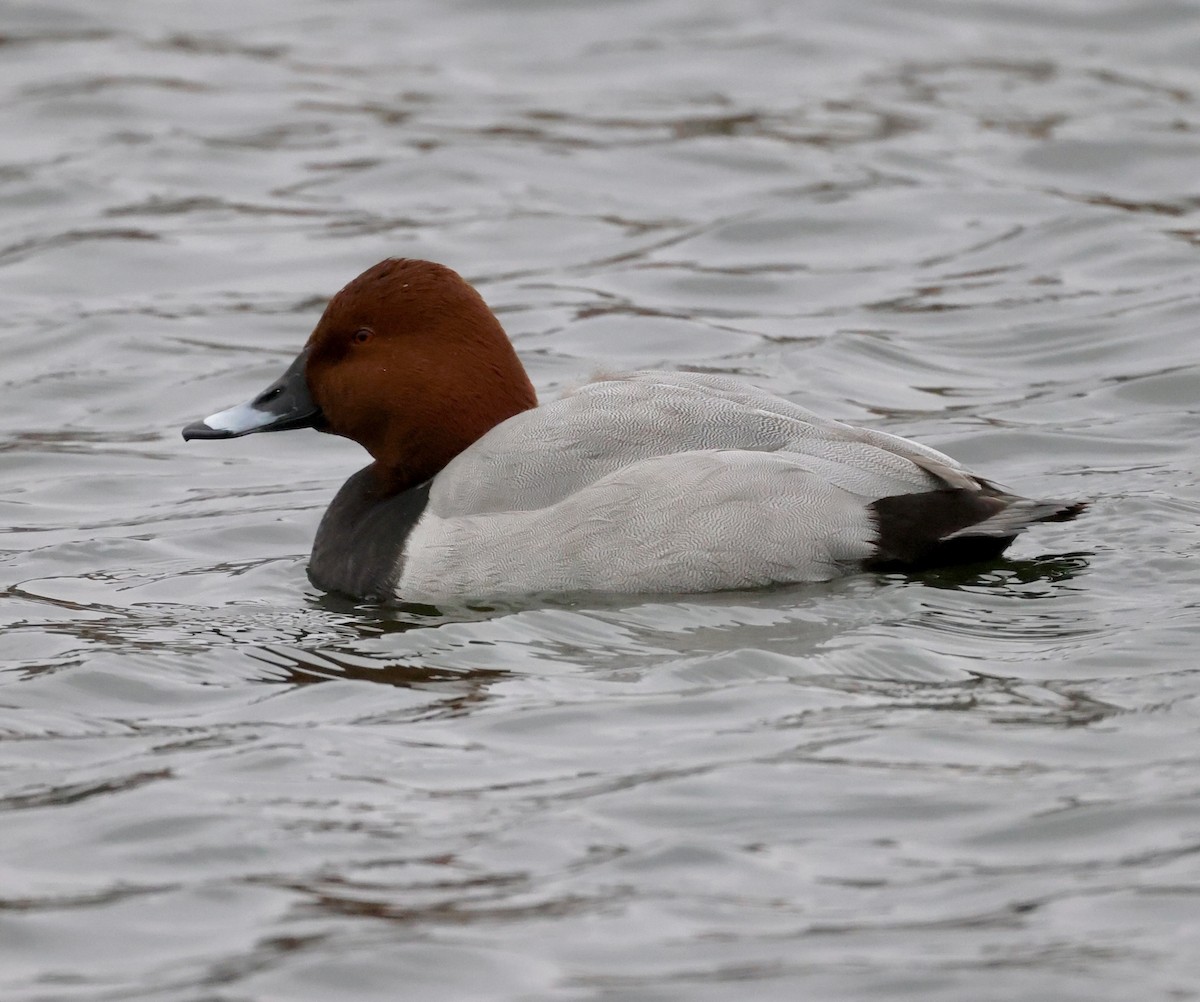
(974, 223)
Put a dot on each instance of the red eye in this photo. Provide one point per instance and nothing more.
(363, 335)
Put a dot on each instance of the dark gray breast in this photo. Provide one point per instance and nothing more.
(359, 548)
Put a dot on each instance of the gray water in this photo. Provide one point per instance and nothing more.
(972, 223)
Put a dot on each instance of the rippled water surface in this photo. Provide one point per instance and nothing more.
(973, 223)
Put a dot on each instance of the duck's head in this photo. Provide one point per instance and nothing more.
(407, 360)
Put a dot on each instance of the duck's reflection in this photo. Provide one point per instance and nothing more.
(461, 689)
(1009, 577)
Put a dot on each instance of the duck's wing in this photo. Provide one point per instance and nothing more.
(542, 456)
(696, 521)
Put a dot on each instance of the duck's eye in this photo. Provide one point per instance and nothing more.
(363, 335)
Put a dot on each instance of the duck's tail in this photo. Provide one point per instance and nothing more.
(1018, 515)
(956, 525)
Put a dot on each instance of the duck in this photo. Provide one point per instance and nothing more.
(633, 482)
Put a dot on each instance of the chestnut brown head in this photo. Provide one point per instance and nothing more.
(407, 360)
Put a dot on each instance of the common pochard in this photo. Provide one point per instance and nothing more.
(634, 482)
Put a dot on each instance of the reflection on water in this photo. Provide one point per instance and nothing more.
(974, 227)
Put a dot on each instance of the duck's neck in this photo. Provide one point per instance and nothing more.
(433, 435)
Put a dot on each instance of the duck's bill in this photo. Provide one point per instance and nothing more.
(283, 405)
